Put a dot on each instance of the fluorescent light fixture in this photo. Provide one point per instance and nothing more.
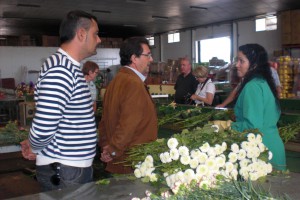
(160, 17)
(102, 11)
(198, 8)
(130, 25)
(137, 1)
(28, 5)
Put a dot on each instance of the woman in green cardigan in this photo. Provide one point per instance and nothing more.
(257, 106)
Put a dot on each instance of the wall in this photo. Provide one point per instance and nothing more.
(13, 58)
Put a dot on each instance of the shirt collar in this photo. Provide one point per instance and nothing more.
(142, 77)
(75, 62)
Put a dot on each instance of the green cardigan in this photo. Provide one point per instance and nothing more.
(256, 107)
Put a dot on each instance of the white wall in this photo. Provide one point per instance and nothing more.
(13, 58)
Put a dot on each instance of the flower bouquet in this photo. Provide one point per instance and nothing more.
(202, 159)
(26, 91)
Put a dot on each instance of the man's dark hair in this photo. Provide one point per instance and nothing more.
(132, 46)
(74, 20)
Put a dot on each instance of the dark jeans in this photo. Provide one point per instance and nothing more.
(69, 176)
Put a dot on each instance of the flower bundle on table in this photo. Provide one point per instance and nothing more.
(185, 159)
(24, 89)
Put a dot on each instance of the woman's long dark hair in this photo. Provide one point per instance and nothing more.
(259, 66)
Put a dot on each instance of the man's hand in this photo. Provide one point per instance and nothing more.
(105, 155)
(26, 150)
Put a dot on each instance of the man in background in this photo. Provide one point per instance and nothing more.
(129, 116)
(186, 84)
(63, 134)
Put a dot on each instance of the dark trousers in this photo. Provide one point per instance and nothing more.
(69, 176)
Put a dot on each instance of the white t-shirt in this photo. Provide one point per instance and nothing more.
(208, 87)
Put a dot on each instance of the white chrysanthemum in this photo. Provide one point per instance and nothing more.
(167, 156)
(172, 143)
(183, 151)
(185, 160)
(205, 184)
(210, 163)
(244, 172)
(229, 166)
(216, 128)
(253, 176)
(195, 153)
(251, 167)
(224, 146)
(153, 177)
(269, 168)
(170, 180)
(244, 162)
(162, 158)
(166, 195)
(211, 152)
(174, 154)
(165, 174)
(232, 157)
(250, 153)
(245, 145)
(194, 163)
(149, 171)
(189, 175)
(137, 173)
(251, 137)
(235, 148)
(270, 155)
(202, 157)
(256, 152)
(202, 170)
(218, 149)
(149, 159)
(205, 147)
(261, 147)
(234, 174)
(220, 160)
(179, 176)
(242, 154)
(258, 139)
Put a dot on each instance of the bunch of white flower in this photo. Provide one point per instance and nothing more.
(145, 169)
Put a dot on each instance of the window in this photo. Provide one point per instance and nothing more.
(266, 24)
(173, 37)
(151, 40)
(216, 47)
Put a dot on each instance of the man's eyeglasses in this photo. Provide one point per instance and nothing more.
(149, 55)
(55, 179)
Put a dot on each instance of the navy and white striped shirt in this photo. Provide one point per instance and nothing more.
(63, 129)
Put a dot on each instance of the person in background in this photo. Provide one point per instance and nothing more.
(63, 135)
(206, 89)
(257, 106)
(186, 84)
(90, 71)
(129, 116)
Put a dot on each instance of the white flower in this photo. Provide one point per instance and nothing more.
(149, 159)
(185, 160)
(250, 153)
(270, 155)
(137, 173)
(258, 139)
(253, 176)
(202, 170)
(153, 177)
(205, 184)
(167, 157)
(245, 145)
(202, 157)
(242, 154)
(148, 193)
(234, 174)
(162, 158)
(220, 161)
(211, 152)
(210, 163)
(174, 154)
(172, 143)
(166, 194)
(224, 146)
(194, 163)
(269, 168)
(195, 153)
(165, 174)
(183, 151)
(205, 147)
(218, 149)
(235, 148)
(244, 172)
(261, 147)
(189, 175)
(244, 163)
(256, 152)
(251, 137)
(229, 166)
(149, 171)
(232, 157)
(216, 128)
(179, 176)
(135, 198)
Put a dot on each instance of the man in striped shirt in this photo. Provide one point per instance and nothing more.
(63, 136)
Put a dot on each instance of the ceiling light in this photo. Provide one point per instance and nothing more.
(102, 11)
(130, 25)
(28, 5)
(160, 17)
(3, 38)
(198, 8)
(137, 1)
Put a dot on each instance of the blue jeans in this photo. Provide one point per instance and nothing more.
(69, 176)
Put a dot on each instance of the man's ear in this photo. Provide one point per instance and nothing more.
(81, 34)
